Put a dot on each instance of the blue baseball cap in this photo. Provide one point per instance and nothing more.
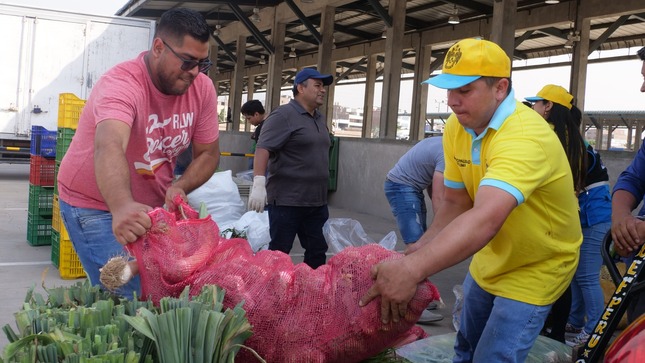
(307, 73)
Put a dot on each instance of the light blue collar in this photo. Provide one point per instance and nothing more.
(505, 109)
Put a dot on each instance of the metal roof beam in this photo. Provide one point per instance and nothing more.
(224, 47)
(605, 35)
(382, 12)
(252, 28)
(305, 21)
(350, 69)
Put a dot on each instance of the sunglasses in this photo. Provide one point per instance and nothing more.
(188, 64)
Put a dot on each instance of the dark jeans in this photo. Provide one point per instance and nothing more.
(559, 315)
(306, 222)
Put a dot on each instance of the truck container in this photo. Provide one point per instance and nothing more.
(48, 52)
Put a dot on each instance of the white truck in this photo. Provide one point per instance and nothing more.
(46, 53)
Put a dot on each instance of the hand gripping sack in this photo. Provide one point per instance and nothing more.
(298, 314)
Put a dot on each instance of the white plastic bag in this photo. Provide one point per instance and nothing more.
(221, 197)
(458, 290)
(347, 232)
(256, 228)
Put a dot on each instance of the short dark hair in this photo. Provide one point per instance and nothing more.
(641, 53)
(490, 81)
(251, 107)
(179, 22)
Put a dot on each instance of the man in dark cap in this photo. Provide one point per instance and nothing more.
(294, 148)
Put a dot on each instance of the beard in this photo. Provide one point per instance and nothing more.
(175, 86)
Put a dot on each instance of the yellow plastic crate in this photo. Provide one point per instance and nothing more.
(69, 265)
(69, 110)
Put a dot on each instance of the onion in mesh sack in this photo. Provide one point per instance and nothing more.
(298, 314)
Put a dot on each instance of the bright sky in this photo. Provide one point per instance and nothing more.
(610, 85)
(94, 7)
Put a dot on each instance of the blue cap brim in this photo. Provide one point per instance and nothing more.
(533, 99)
(450, 81)
(326, 79)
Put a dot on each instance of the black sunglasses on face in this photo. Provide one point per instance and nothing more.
(188, 64)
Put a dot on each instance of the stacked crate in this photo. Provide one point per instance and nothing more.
(63, 255)
(41, 186)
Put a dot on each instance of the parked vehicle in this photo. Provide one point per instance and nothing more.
(47, 52)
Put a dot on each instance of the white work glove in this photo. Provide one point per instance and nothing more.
(258, 197)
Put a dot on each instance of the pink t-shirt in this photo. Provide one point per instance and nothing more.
(162, 127)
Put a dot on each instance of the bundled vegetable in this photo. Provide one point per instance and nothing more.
(84, 324)
(184, 330)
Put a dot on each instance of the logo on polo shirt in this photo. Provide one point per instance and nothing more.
(462, 162)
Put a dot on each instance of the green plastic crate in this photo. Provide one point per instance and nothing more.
(55, 256)
(41, 200)
(63, 139)
(333, 164)
(39, 230)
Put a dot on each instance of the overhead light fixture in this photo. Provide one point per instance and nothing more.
(256, 15)
(306, 1)
(572, 38)
(217, 31)
(384, 35)
(551, 2)
(292, 54)
(262, 61)
(454, 18)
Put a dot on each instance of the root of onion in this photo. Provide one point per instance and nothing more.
(117, 272)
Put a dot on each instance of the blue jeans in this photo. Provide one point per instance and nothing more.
(587, 299)
(496, 329)
(307, 223)
(91, 233)
(409, 208)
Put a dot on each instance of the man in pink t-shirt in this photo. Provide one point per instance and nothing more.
(140, 116)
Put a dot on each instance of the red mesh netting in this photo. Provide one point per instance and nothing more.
(298, 314)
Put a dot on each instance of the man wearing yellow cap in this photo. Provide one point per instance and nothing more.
(509, 203)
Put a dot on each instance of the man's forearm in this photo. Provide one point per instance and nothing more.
(198, 172)
(112, 176)
(260, 161)
(622, 204)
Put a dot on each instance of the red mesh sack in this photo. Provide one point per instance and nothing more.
(298, 314)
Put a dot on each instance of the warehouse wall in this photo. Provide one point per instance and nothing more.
(363, 164)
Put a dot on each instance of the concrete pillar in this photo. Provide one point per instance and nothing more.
(503, 29)
(237, 84)
(250, 90)
(639, 135)
(392, 73)
(212, 73)
(275, 65)
(325, 63)
(580, 60)
(610, 131)
(599, 131)
(630, 135)
(420, 91)
(368, 102)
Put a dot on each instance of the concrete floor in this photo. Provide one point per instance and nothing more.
(23, 266)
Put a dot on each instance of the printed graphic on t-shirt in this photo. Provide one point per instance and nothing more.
(166, 139)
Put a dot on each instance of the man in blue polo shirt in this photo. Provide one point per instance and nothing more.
(294, 148)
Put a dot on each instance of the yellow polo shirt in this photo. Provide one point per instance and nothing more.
(535, 254)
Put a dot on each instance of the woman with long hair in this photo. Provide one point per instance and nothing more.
(591, 183)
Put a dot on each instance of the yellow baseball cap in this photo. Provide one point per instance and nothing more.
(469, 60)
(553, 93)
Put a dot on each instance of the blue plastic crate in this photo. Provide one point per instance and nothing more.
(43, 142)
